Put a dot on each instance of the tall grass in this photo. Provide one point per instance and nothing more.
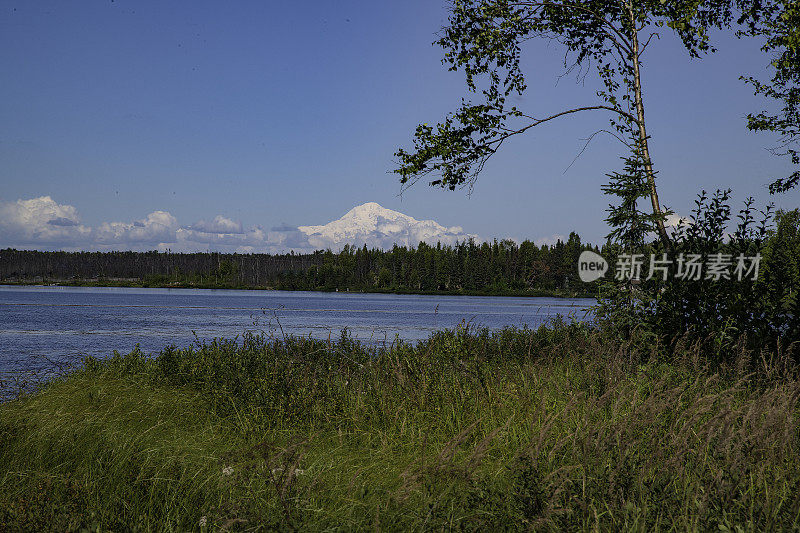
(555, 429)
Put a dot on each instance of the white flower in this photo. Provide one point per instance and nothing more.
(203, 521)
(227, 471)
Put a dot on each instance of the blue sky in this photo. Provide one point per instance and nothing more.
(265, 113)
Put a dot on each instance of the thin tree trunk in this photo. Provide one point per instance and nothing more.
(648, 165)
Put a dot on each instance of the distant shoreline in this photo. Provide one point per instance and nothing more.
(140, 284)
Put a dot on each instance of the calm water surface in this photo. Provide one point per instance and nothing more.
(64, 323)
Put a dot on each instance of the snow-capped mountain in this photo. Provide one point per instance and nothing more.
(376, 226)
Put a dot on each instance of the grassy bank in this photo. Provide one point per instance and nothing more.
(555, 429)
(580, 292)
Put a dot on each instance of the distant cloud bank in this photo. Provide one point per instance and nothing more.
(44, 224)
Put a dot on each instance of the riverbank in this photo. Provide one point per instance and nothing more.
(145, 284)
(554, 429)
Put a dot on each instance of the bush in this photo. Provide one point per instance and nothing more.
(722, 311)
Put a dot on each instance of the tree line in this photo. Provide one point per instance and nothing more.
(497, 267)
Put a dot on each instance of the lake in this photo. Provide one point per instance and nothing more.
(66, 323)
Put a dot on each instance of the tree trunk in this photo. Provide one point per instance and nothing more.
(643, 140)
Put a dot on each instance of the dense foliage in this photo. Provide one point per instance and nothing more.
(491, 268)
(753, 291)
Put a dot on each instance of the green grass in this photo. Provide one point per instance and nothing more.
(555, 429)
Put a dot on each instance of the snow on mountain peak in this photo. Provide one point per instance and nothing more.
(369, 210)
(379, 227)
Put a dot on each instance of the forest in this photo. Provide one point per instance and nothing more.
(499, 267)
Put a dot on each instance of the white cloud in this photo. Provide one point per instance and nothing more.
(40, 220)
(156, 228)
(285, 237)
(550, 240)
(673, 220)
(220, 224)
(253, 237)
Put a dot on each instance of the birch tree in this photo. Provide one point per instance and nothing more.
(485, 39)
